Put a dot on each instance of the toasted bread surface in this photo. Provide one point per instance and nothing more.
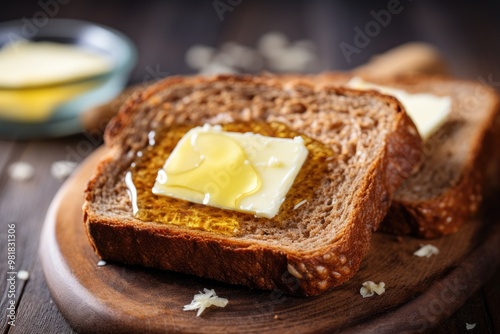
(375, 147)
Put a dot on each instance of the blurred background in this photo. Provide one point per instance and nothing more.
(226, 36)
(208, 36)
(466, 32)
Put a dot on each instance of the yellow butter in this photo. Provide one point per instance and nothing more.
(28, 64)
(428, 112)
(244, 172)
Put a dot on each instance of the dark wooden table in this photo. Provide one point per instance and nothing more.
(468, 35)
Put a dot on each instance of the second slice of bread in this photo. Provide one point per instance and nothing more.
(461, 162)
(320, 245)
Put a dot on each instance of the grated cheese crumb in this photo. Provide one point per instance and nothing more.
(426, 251)
(23, 275)
(369, 288)
(21, 171)
(298, 205)
(470, 326)
(205, 299)
(62, 169)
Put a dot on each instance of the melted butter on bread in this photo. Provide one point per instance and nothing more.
(147, 206)
(246, 172)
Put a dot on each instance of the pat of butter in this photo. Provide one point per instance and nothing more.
(244, 172)
(28, 64)
(428, 112)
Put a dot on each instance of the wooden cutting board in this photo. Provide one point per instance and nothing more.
(420, 292)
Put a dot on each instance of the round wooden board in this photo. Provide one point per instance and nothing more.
(420, 292)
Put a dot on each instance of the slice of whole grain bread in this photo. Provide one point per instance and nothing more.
(318, 245)
(461, 160)
(460, 164)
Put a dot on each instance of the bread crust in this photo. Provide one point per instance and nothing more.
(238, 261)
